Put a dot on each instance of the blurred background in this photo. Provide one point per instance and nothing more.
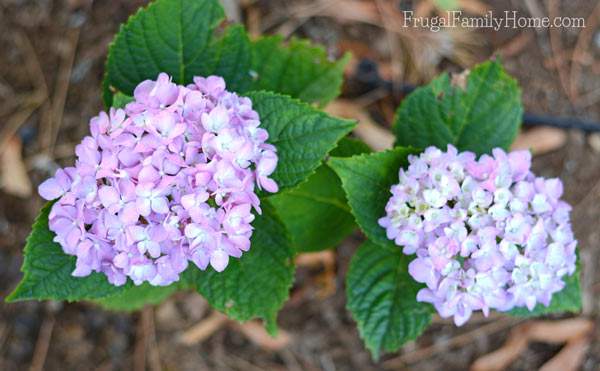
(51, 65)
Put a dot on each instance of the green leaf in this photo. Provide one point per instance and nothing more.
(367, 180)
(48, 270)
(318, 205)
(302, 134)
(257, 284)
(300, 70)
(483, 115)
(381, 296)
(232, 59)
(172, 36)
(568, 300)
(136, 297)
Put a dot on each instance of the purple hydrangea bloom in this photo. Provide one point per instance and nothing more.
(168, 180)
(486, 234)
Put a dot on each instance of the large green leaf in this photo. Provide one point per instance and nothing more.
(257, 284)
(568, 300)
(302, 134)
(300, 69)
(172, 36)
(48, 270)
(484, 114)
(136, 297)
(367, 180)
(381, 296)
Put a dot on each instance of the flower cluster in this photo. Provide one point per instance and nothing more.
(167, 180)
(487, 233)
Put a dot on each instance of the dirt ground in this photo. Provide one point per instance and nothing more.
(57, 49)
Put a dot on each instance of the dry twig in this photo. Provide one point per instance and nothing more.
(253, 330)
(145, 346)
(18, 119)
(556, 46)
(32, 63)
(516, 45)
(42, 344)
(570, 356)
(61, 89)
(204, 329)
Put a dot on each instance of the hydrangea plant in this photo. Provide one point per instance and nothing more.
(213, 167)
(171, 189)
(455, 224)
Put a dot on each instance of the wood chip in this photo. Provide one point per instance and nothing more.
(371, 133)
(232, 10)
(325, 280)
(13, 172)
(316, 259)
(540, 140)
(594, 142)
(460, 79)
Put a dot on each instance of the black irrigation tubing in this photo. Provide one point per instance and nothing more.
(367, 73)
(531, 119)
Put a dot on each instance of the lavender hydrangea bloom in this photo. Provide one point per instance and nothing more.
(486, 234)
(168, 180)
